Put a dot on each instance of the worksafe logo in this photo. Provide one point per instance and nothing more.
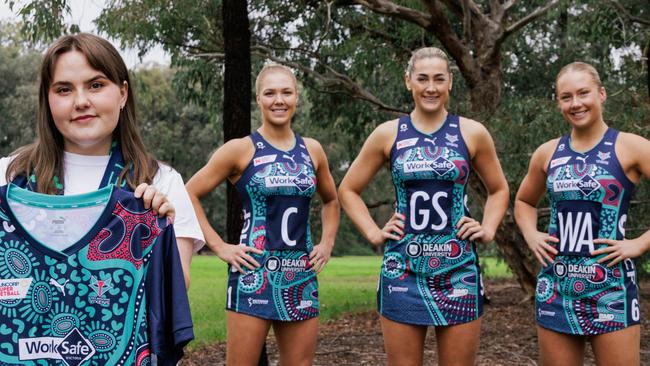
(586, 185)
(303, 182)
(74, 349)
(440, 166)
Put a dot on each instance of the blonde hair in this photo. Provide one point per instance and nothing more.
(273, 66)
(580, 66)
(423, 53)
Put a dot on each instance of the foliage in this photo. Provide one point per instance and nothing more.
(18, 90)
(329, 41)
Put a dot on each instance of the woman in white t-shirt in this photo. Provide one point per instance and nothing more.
(87, 137)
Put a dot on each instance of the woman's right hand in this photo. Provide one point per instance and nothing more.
(538, 242)
(394, 230)
(237, 256)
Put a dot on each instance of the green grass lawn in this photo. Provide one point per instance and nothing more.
(347, 284)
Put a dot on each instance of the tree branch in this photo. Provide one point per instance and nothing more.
(529, 18)
(627, 14)
(337, 80)
(388, 38)
(398, 11)
(378, 204)
(454, 6)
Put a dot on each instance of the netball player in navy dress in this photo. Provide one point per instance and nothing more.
(430, 274)
(272, 277)
(587, 287)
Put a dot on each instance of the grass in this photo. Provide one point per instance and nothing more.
(347, 284)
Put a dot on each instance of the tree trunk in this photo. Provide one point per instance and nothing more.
(511, 243)
(647, 65)
(236, 103)
(486, 94)
(236, 95)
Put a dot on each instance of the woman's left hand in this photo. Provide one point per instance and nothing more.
(319, 257)
(618, 250)
(155, 200)
(472, 229)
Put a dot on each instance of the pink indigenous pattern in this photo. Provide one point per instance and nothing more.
(131, 221)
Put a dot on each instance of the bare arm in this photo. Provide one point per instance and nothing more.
(228, 161)
(374, 153)
(331, 211)
(530, 192)
(632, 151)
(488, 167)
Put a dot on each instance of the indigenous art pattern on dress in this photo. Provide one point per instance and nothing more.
(589, 195)
(430, 277)
(88, 280)
(276, 190)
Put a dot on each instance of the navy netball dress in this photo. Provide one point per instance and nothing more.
(589, 195)
(430, 277)
(276, 189)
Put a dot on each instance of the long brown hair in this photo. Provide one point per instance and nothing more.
(44, 156)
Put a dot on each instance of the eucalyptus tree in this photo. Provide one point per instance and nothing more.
(505, 55)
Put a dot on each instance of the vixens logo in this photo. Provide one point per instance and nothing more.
(100, 287)
(451, 140)
(403, 127)
(603, 156)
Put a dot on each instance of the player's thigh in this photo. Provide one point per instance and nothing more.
(458, 344)
(296, 341)
(404, 343)
(622, 347)
(559, 348)
(245, 338)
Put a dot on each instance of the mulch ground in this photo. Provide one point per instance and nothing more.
(507, 336)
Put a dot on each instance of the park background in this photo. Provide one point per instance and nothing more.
(349, 56)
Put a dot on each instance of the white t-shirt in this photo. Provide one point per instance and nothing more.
(84, 173)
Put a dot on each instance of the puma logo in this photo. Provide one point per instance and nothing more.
(59, 286)
(289, 157)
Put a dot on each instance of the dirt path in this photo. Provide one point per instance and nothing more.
(507, 336)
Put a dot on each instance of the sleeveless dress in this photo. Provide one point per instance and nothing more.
(589, 195)
(430, 277)
(276, 189)
(99, 277)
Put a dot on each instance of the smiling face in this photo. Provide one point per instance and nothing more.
(580, 98)
(277, 96)
(85, 104)
(430, 83)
